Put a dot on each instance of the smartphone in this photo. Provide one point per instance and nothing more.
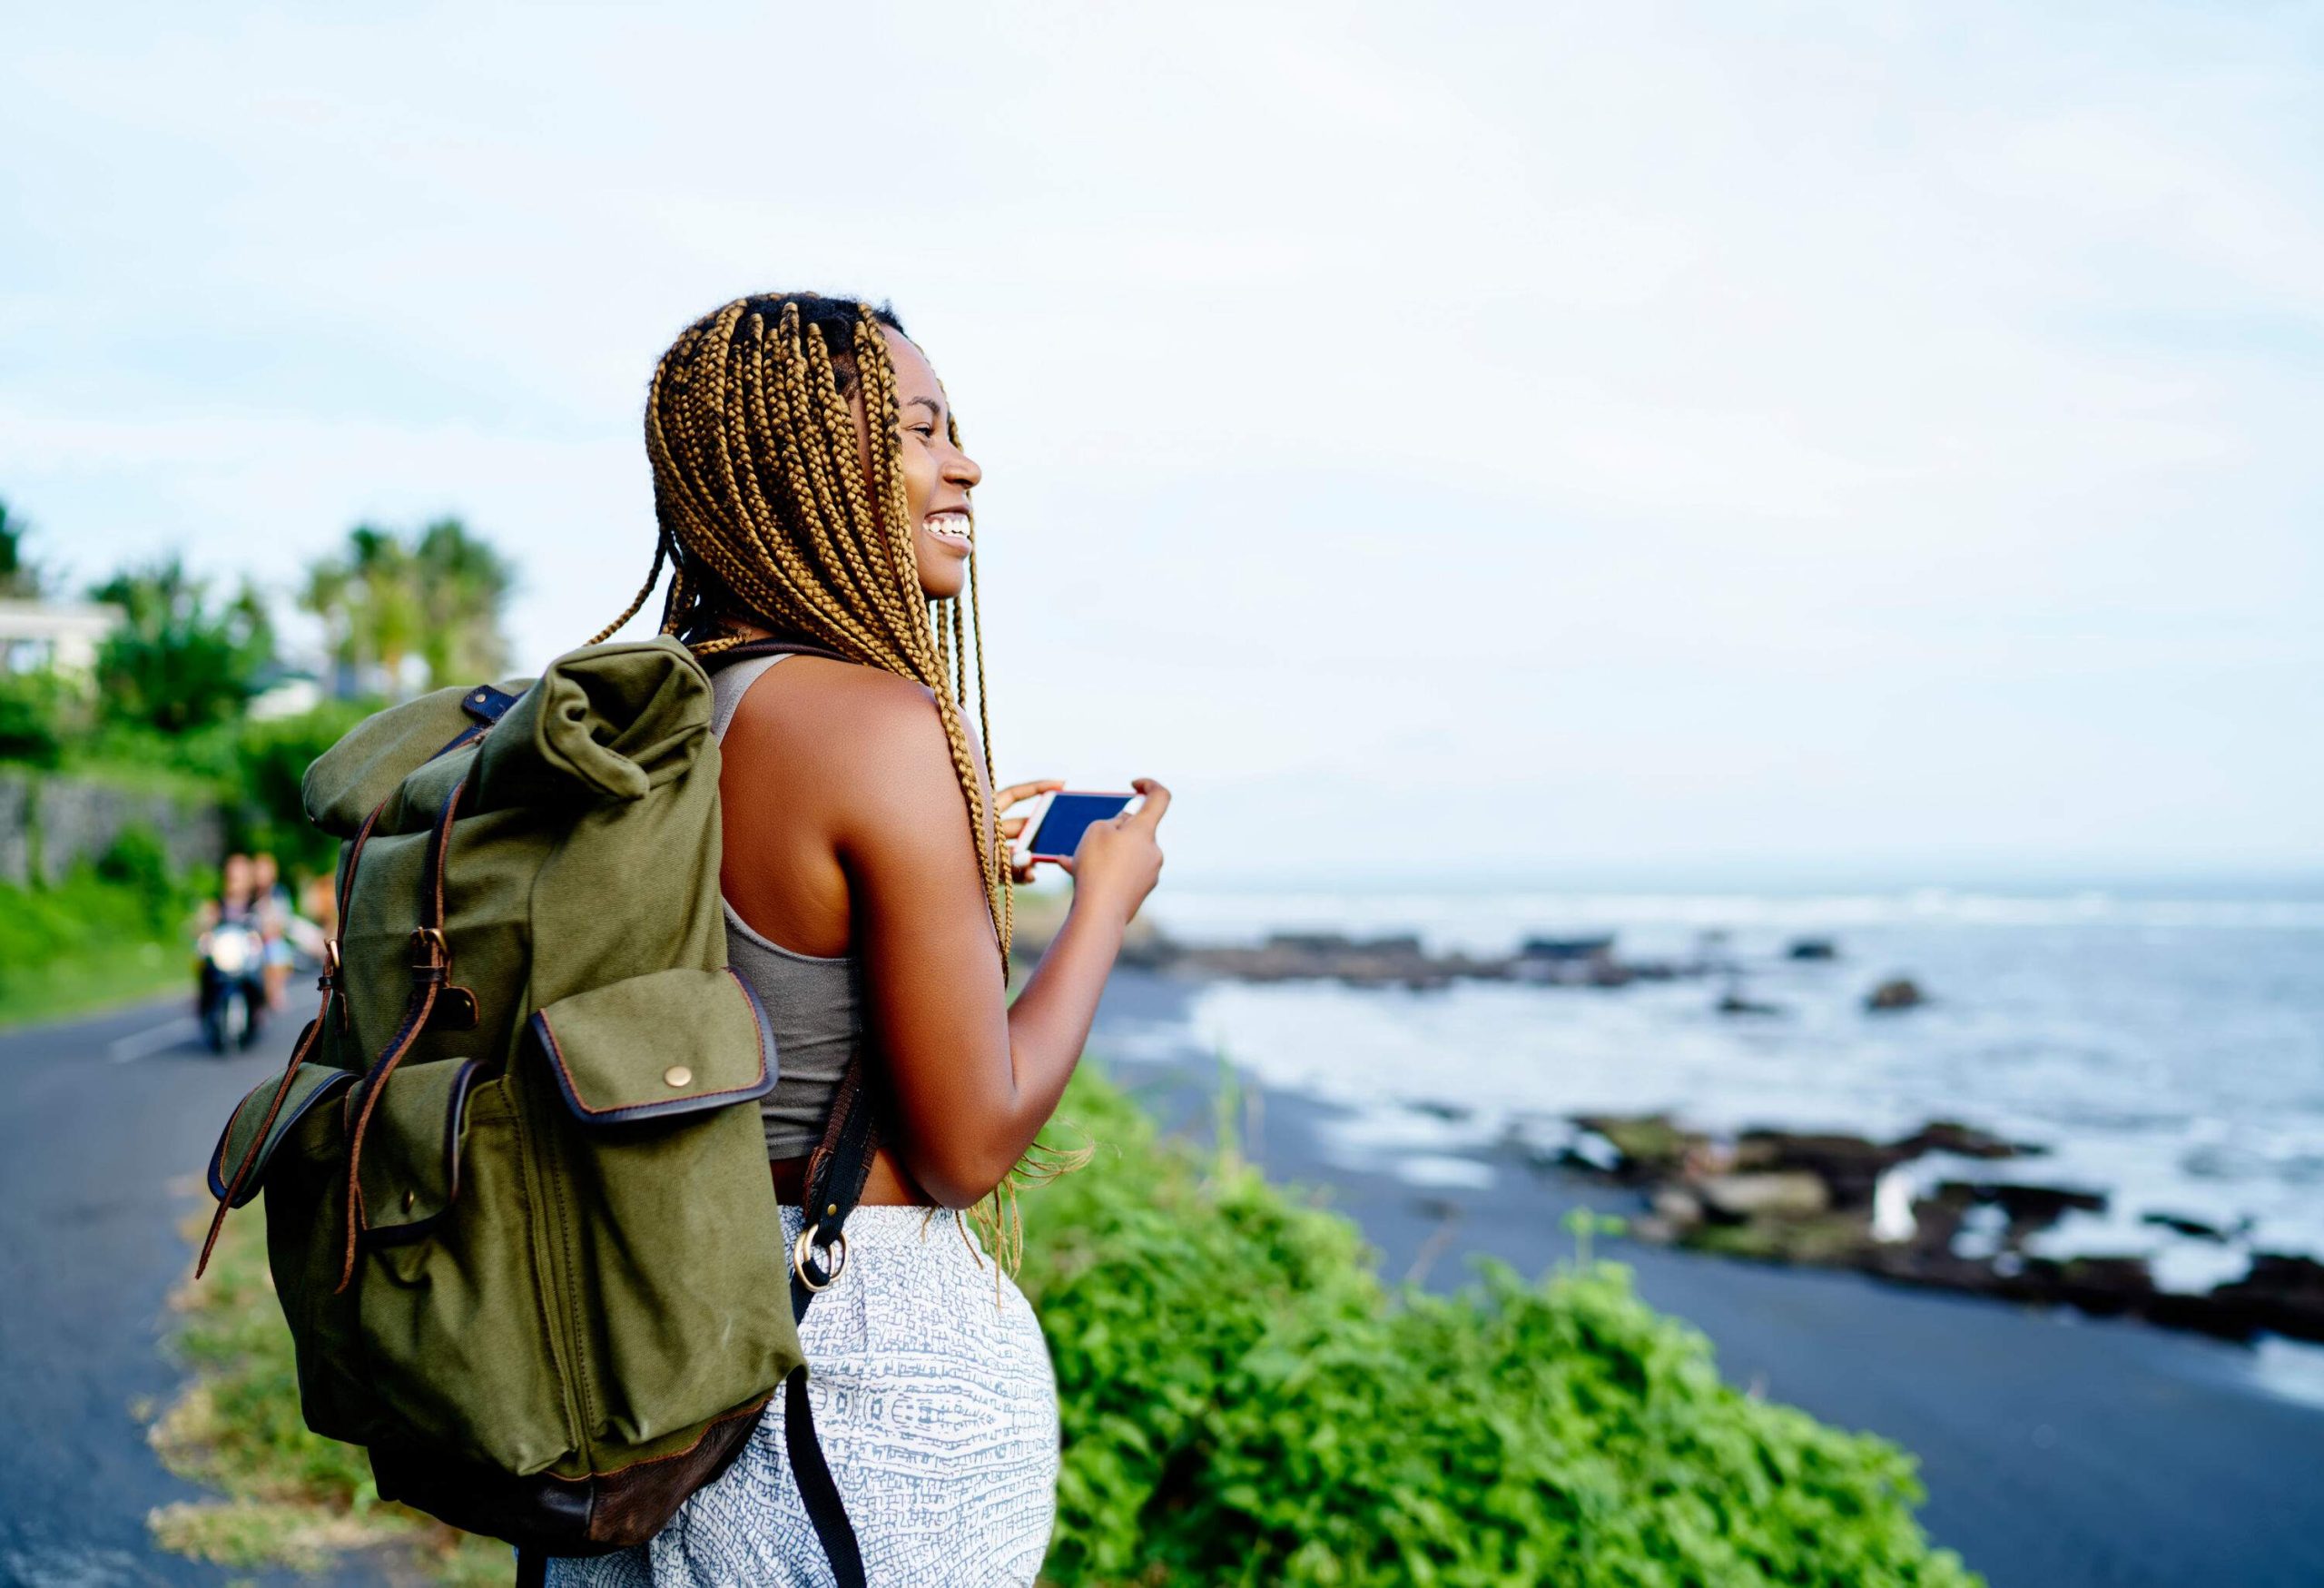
(1053, 831)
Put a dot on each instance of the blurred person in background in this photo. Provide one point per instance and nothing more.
(274, 911)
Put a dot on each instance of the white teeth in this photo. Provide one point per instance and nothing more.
(953, 524)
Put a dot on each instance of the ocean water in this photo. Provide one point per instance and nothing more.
(2169, 1054)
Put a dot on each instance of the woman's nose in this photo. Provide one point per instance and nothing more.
(962, 470)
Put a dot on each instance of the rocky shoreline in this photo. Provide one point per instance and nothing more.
(1402, 960)
(1916, 1210)
(1932, 1209)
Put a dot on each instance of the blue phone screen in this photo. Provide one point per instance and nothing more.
(1069, 815)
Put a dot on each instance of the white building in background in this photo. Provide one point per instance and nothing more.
(287, 696)
(59, 635)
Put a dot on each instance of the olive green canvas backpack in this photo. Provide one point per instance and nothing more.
(518, 1206)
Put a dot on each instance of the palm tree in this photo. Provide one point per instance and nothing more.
(383, 602)
(463, 585)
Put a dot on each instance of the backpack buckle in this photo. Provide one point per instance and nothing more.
(330, 978)
(802, 1258)
(429, 952)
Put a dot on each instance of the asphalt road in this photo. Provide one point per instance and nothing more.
(103, 1123)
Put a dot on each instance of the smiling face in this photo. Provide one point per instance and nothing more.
(938, 476)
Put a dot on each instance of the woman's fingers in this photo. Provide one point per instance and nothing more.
(1158, 800)
(1017, 793)
(1013, 826)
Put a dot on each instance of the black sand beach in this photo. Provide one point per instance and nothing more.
(2059, 1452)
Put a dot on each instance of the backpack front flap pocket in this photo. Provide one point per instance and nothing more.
(681, 1301)
(410, 1172)
(311, 1083)
(658, 1046)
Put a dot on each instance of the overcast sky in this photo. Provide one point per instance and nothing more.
(1541, 442)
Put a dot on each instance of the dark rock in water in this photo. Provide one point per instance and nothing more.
(1897, 993)
(2179, 1224)
(1812, 948)
(1804, 1196)
(1650, 1146)
(2102, 1286)
(1849, 1165)
(1734, 1198)
(1401, 959)
(1337, 942)
(1733, 1001)
(1963, 1141)
(2281, 1294)
(1452, 1113)
(2028, 1208)
(1568, 948)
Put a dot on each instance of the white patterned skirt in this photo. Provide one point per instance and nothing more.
(936, 1406)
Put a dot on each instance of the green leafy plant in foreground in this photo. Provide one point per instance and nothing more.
(1243, 1403)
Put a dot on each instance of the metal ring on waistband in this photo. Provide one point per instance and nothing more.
(802, 1250)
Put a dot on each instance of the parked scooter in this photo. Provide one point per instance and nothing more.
(230, 959)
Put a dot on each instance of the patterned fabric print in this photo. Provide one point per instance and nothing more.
(937, 1409)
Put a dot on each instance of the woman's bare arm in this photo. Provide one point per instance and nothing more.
(974, 1077)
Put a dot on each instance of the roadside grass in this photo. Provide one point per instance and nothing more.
(105, 934)
(92, 985)
(289, 1497)
(1243, 1401)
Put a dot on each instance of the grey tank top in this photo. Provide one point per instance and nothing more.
(815, 1005)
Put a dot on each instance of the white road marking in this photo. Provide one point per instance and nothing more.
(168, 1034)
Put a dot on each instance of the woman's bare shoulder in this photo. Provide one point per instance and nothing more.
(871, 731)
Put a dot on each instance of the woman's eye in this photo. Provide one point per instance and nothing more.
(922, 429)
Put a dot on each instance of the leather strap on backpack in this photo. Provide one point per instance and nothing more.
(431, 974)
(487, 705)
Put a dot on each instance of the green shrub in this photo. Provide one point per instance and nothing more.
(33, 713)
(94, 937)
(138, 861)
(1244, 1402)
(270, 762)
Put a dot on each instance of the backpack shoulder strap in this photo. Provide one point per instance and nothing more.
(764, 648)
(835, 1178)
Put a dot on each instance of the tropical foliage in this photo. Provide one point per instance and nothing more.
(180, 660)
(435, 600)
(1245, 1402)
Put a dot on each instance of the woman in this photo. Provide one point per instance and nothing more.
(810, 487)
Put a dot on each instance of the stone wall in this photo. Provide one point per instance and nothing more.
(48, 822)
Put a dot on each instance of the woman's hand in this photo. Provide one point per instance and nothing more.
(1008, 798)
(1118, 862)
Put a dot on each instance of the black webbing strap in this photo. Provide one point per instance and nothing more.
(834, 1181)
(766, 647)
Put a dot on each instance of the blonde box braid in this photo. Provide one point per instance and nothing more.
(766, 512)
(762, 496)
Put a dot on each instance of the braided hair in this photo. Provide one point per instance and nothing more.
(767, 513)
